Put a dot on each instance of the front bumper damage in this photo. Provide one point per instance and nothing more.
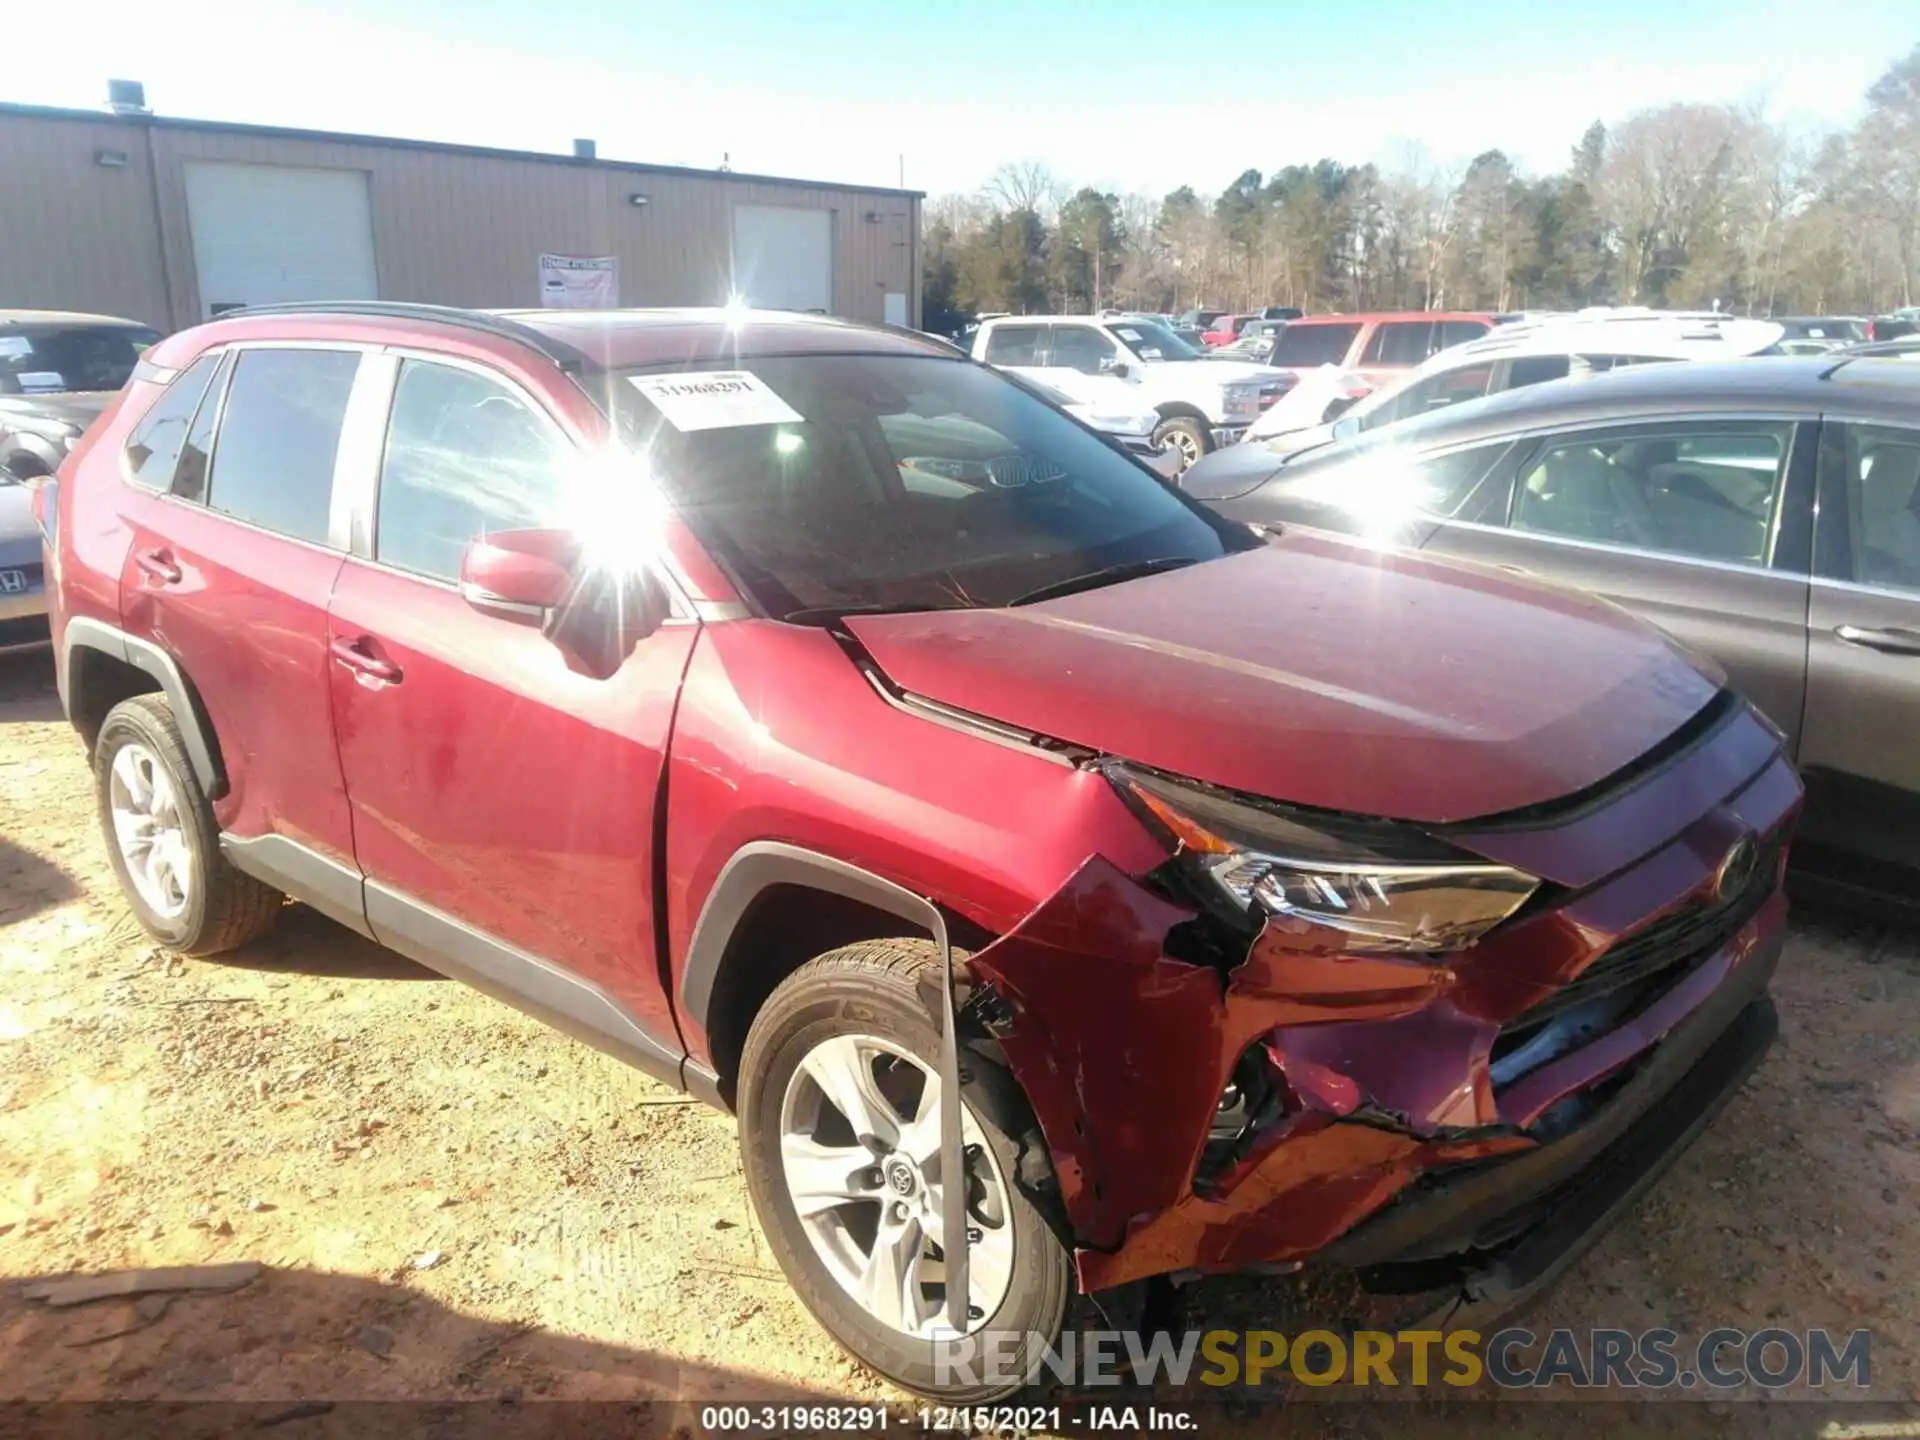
(1422, 1131)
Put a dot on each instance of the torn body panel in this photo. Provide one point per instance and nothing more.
(1383, 1065)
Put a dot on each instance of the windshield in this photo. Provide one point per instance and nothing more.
(53, 359)
(858, 481)
(1153, 342)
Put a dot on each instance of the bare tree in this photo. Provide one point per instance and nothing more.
(1026, 185)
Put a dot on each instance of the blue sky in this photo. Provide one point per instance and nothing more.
(1119, 93)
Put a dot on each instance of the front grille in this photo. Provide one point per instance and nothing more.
(1672, 943)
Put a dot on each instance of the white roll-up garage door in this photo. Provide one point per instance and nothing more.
(267, 233)
(783, 257)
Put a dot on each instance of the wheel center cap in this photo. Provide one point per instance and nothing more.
(900, 1177)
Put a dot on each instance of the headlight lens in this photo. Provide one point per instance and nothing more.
(1382, 888)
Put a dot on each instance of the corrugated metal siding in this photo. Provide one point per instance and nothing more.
(449, 228)
(75, 234)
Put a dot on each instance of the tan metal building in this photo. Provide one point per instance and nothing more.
(171, 221)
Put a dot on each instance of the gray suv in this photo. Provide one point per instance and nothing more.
(1765, 512)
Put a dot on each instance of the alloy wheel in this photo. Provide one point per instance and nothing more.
(148, 828)
(860, 1154)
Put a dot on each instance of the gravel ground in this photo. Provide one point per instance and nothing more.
(453, 1203)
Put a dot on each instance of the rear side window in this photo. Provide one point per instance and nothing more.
(1448, 333)
(1398, 342)
(1015, 344)
(1537, 370)
(1314, 344)
(190, 475)
(273, 462)
(465, 458)
(154, 447)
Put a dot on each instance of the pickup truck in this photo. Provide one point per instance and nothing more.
(1134, 362)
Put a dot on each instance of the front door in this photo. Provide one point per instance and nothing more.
(1697, 526)
(1861, 749)
(503, 800)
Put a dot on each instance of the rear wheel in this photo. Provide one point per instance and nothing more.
(840, 1135)
(1186, 437)
(162, 839)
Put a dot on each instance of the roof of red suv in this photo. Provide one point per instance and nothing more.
(602, 339)
(1367, 317)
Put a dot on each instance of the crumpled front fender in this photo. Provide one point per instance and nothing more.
(1123, 1052)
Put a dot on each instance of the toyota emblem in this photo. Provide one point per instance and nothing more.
(1736, 869)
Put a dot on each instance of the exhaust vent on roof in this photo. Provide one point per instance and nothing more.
(584, 150)
(127, 97)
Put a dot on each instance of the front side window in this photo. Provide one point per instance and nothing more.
(1537, 370)
(1303, 345)
(1398, 342)
(1706, 490)
(153, 449)
(1015, 344)
(912, 483)
(465, 457)
(1082, 348)
(1883, 505)
(279, 430)
(1153, 342)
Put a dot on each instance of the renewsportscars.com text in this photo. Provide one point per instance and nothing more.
(1512, 1359)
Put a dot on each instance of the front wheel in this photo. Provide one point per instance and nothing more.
(1186, 437)
(840, 1137)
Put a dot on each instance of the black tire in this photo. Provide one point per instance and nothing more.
(1189, 438)
(889, 989)
(225, 908)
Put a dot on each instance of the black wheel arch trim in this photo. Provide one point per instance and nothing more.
(85, 633)
(748, 873)
(757, 867)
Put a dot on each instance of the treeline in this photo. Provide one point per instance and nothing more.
(1681, 206)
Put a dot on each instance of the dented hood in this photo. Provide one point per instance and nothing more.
(1322, 673)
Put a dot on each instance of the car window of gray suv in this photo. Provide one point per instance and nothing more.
(1707, 490)
(1883, 505)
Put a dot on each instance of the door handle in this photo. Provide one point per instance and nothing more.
(159, 564)
(1893, 642)
(350, 654)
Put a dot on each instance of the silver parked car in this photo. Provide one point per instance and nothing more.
(1765, 512)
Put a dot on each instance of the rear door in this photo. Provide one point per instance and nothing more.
(1394, 347)
(503, 796)
(233, 562)
(1700, 526)
(1861, 748)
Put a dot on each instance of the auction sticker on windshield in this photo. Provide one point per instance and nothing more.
(715, 400)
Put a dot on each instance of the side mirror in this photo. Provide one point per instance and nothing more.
(520, 575)
(1113, 365)
(535, 577)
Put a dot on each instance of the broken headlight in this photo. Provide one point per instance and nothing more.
(1386, 889)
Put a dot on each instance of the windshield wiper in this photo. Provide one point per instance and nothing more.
(1107, 575)
(827, 614)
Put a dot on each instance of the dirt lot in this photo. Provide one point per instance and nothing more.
(454, 1203)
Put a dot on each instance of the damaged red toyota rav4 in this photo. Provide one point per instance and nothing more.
(830, 727)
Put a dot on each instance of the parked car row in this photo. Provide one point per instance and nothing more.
(1066, 883)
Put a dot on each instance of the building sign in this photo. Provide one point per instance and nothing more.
(579, 282)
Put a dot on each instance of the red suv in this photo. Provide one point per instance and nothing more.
(826, 725)
(1377, 347)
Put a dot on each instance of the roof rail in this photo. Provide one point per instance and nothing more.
(562, 354)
